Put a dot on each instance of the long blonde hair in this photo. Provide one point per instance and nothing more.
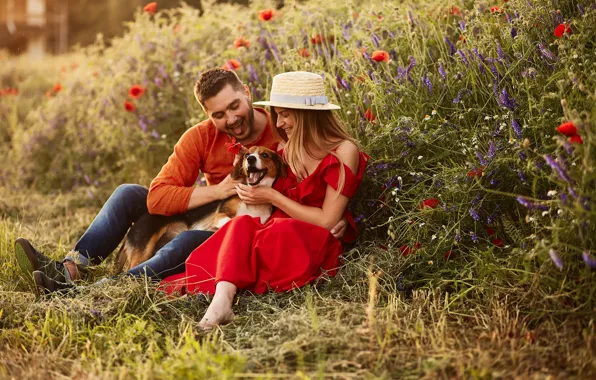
(314, 129)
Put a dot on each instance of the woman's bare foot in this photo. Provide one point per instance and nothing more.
(219, 311)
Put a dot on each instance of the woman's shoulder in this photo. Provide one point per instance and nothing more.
(349, 153)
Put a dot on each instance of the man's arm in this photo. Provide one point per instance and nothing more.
(205, 194)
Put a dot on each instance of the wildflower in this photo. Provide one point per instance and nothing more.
(462, 25)
(490, 231)
(463, 56)
(513, 32)
(588, 259)
(266, 14)
(232, 64)
(375, 40)
(497, 242)
(316, 40)
(432, 203)
(136, 91)
(451, 46)
(562, 29)
(428, 84)
(460, 94)
(531, 205)
(576, 139)
(476, 172)
(380, 56)
(234, 147)
(507, 101)
(303, 52)
(448, 255)
(57, 88)
(151, 8)
(129, 106)
(516, 128)
(500, 52)
(369, 115)
(241, 42)
(545, 52)
(581, 9)
(495, 9)
(405, 250)
(474, 214)
(554, 256)
(555, 166)
(442, 71)
(426, 117)
(454, 11)
(567, 128)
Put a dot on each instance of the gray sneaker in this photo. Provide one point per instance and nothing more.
(30, 260)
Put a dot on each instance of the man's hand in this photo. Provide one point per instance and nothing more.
(340, 229)
(226, 188)
(255, 195)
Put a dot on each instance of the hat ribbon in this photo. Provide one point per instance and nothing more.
(299, 99)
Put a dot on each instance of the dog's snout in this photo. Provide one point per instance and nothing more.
(251, 160)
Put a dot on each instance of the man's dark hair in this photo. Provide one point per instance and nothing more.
(211, 82)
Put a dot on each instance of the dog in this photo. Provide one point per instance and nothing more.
(257, 166)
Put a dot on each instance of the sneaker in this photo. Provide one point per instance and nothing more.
(73, 271)
(46, 285)
(30, 260)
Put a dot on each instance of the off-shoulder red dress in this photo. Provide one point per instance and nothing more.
(280, 255)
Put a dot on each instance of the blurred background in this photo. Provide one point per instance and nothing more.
(40, 27)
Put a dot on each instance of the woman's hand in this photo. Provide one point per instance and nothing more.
(255, 195)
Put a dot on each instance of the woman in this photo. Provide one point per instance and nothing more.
(295, 246)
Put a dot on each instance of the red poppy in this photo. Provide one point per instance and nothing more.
(303, 52)
(380, 56)
(129, 106)
(316, 40)
(418, 245)
(151, 8)
(454, 11)
(266, 14)
(498, 242)
(234, 147)
(462, 38)
(449, 255)
(432, 203)
(57, 88)
(136, 91)
(576, 139)
(383, 247)
(567, 128)
(1, 93)
(490, 231)
(241, 42)
(369, 115)
(476, 172)
(495, 9)
(177, 28)
(405, 250)
(562, 29)
(232, 64)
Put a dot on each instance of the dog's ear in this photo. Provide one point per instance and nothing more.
(237, 172)
(281, 166)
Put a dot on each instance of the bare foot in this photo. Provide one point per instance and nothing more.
(218, 313)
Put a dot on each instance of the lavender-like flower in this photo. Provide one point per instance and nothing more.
(556, 167)
(442, 71)
(462, 25)
(496, 93)
(509, 20)
(463, 56)
(428, 84)
(588, 259)
(506, 101)
(254, 78)
(155, 134)
(554, 256)
(460, 94)
(474, 214)
(492, 149)
(522, 176)
(480, 56)
(513, 32)
(581, 9)
(531, 205)
(480, 158)
(516, 128)
(563, 198)
(522, 155)
(375, 40)
(451, 46)
(493, 69)
(500, 52)
(346, 84)
(545, 52)
(411, 65)
(474, 238)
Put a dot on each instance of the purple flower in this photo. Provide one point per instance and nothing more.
(345, 84)
(531, 205)
(462, 25)
(581, 9)
(442, 71)
(545, 52)
(554, 256)
(491, 150)
(460, 94)
(90, 194)
(359, 218)
(507, 101)
(563, 198)
(480, 56)
(411, 65)
(522, 156)
(463, 56)
(474, 238)
(155, 134)
(95, 313)
(513, 32)
(254, 77)
(556, 167)
(516, 128)
(428, 84)
(500, 52)
(480, 158)
(474, 214)
(451, 46)
(375, 40)
(588, 259)
(493, 69)
(458, 237)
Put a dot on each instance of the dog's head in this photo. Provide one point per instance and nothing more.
(259, 165)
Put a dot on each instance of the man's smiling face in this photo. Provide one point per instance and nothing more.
(231, 112)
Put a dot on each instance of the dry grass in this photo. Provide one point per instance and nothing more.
(355, 326)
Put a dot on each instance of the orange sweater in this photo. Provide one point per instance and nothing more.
(202, 148)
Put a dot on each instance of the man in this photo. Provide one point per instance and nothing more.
(202, 148)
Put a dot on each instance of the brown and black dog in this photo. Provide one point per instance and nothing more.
(257, 166)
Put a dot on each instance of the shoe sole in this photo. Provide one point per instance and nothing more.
(25, 256)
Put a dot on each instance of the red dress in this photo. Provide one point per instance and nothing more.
(280, 255)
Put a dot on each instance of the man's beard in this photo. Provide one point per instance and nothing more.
(249, 125)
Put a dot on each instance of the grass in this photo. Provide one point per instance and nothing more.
(357, 325)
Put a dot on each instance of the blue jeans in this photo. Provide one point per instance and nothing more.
(126, 205)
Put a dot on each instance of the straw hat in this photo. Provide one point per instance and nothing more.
(298, 90)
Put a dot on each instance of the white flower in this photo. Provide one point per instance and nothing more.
(421, 224)
(433, 237)
(427, 117)
(434, 112)
(163, 136)
(487, 118)
(559, 211)
(551, 193)
(349, 112)
(412, 173)
(399, 180)
(420, 157)
(544, 213)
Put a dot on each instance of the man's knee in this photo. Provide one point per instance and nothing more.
(131, 193)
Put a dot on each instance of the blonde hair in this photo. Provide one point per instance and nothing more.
(319, 129)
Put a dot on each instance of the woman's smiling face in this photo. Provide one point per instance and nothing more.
(286, 119)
